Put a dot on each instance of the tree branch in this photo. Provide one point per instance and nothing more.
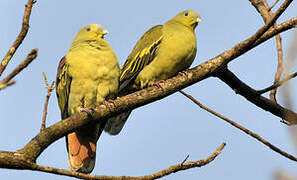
(279, 69)
(238, 126)
(5, 85)
(273, 5)
(49, 88)
(263, 8)
(157, 175)
(20, 38)
(253, 96)
(52, 133)
(31, 56)
(278, 84)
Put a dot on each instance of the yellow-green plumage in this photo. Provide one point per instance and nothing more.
(161, 53)
(87, 76)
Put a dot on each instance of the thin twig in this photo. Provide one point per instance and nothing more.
(269, 23)
(279, 70)
(263, 8)
(278, 84)
(30, 57)
(20, 38)
(50, 88)
(160, 174)
(273, 5)
(187, 157)
(5, 85)
(256, 136)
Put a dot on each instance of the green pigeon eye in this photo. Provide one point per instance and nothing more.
(186, 14)
(88, 29)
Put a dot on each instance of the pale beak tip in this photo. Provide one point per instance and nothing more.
(105, 32)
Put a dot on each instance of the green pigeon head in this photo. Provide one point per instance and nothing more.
(90, 32)
(189, 18)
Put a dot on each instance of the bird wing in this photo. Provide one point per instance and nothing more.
(142, 54)
(63, 83)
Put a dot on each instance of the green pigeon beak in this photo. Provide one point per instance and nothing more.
(198, 19)
(105, 32)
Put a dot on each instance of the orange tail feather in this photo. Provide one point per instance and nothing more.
(82, 149)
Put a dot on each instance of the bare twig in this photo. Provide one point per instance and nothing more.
(50, 88)
(263, 8)
(20, 38)
(160, 174)
(31, 56)
(269, 23)
(254, 135)
(279, 66)
(279, 69)
(273, 5)
(5, 85)
(278, 84)
(187, 157)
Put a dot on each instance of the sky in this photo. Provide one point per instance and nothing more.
(162, 133)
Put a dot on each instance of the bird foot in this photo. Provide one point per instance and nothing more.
(89, 111)
(107, 103)
(158, 84)
(183, 73)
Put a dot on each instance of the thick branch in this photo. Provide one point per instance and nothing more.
(20, 38)
(13, 160)
(253, 96)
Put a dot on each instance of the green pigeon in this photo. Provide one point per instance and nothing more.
(162, 52)
(87, 76)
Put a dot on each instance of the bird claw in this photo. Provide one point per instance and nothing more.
(89, 111)
(158, 84)
(183, 73)
(107, 103)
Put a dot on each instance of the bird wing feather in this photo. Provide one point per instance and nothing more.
(144, 52)
(63, 84)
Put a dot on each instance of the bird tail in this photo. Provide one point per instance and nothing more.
(115, 124)
(81, 146)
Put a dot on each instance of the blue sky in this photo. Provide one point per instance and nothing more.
(162, 133)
